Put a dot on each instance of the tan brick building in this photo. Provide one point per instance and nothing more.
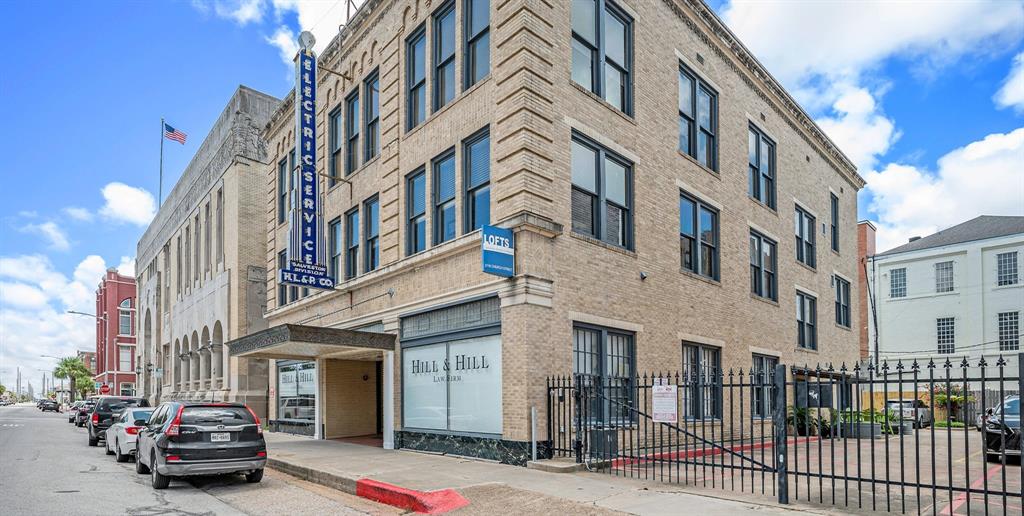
(201, 279)
(616, 151)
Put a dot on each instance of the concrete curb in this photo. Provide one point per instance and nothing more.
(426, 502)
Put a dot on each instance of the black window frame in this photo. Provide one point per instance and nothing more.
(806, 330)
(371, 241)
(441, 62)
(763, 282)
(352, 243)
(833, 203)
(842, 305)
(762, 375)
(760, 181)
(282, 191)
(371, 117)
(599, 201)
(692, 121)
(470, 191)
(335, 238)
(472, 42)
(440, 205)
(695, 243)
(700, 393)
(413, 218)
(352, 131)
(619, 386)
(806, 239)
(599, 57)
(412, 86)
(335, 145)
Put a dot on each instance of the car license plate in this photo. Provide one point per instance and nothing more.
(220, 437)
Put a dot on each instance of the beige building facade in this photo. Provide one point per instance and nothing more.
(201, 276)
(673, 209)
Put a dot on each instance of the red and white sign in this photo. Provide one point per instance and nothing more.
(104, 389)
(664, 403)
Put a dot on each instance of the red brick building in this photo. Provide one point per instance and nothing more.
(115, 333)
(865, 249)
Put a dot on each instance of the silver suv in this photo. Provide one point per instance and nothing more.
(911, 410)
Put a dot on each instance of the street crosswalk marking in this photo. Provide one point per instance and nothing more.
(11, 424)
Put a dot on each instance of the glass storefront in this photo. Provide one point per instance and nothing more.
(296, 391)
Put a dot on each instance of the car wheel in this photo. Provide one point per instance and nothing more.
(106, 446)
(140, 468)
(254, 477)
(93, 441)
(118, 456)
(159, 481)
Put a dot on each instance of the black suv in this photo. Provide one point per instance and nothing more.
(103, 414)
(185, 438)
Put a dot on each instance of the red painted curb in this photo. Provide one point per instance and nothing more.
(426, 502)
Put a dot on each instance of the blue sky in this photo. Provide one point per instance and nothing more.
(921, 97)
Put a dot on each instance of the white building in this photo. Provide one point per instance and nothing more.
(952, 295)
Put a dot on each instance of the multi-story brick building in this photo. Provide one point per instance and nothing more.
(115, 334)
(650, 168)
(201, 276)
(89, 359)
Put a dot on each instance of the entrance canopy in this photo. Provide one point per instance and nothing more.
(298, 342)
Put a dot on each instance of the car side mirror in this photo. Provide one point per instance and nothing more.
(139, 422)
(989, 412)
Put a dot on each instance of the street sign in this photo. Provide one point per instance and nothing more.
(97, 385)
(105, 389)
(664, 403)
(498, 251)
(812, 395)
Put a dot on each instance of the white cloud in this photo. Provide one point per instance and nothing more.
(20, 295)
(51, 232)
(127, 266)
(1012, 92)
(859, 127)
(982, 178)
(320, 18)
(241, 12)
(128, 204)
(284, 40)
(79, 214)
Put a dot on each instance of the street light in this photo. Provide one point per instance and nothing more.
(51, 372)
(100, 317)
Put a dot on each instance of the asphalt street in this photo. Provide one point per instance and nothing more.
(47, 467)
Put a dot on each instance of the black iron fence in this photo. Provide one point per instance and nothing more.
(895, 436)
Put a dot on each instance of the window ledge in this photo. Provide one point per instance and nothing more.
(758, 202)
(1004, 287)
(347, 177)
(764, 299)
(834, 251)
(841, 327)
(701, 277)
(443, 109)
(693, 160)
(807, 350)
(602, 243)
(808, 267)
(923, 296)
(603, 102)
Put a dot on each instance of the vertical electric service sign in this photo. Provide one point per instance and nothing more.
(306, 257)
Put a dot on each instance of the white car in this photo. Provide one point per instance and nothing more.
(120, 437)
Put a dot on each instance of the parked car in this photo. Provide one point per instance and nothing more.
(911, 410)
(298, 408)
(84, 410)
(73, 410)
(120, 437)
(185, 438)
(1002, 430)
(104, 413)
(49, 405)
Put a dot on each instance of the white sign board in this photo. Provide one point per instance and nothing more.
(664, 406)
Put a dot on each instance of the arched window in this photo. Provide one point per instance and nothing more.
(124, 318)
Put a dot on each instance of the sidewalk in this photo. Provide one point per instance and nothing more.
(492, 488)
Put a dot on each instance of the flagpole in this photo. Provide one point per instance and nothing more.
(161, 201)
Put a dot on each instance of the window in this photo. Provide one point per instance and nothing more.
(282, 287)
(371, 215)
(477, 155)
(602, 50)
(702, 381)
(945, 332)
(944, 277)
(178, 269)
(762, 377)
(898, 282)
(335, 134)
(698, 236)
(760, 167)
(763, 280)
(1006, 269)
(478, 40)
(124, 318)
(1009, 331)
(352, 132)
(127, 389)
(334, 244)
(220, 226)
(196, 263)
(124, 358)
(282, 191)
(606, 358)
(416, 210)
(834, 209)
(804, 223)
(698, 119)
(602, 193)
(444, 197)
(372, 111)
(416, 78)
(207, 239)
(444, 55)
(806, 320)
(188, 255)
(352, 243)
(842, 301)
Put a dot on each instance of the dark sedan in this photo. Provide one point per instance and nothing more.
(49, 405)
(1002, 430)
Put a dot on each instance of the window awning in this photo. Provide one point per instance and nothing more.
(298, 342)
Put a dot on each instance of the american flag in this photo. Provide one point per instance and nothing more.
(173, 134)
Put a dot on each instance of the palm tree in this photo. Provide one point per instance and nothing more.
(74, 370)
